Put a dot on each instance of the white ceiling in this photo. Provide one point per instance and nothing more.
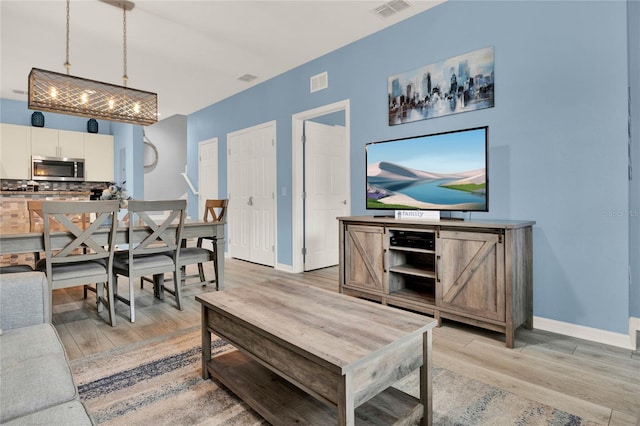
(189, 52)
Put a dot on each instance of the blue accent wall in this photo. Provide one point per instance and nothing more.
(558, 133)
(331, 119)
(17, 112)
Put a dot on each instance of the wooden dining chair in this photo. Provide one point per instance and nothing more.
(81, 260)
(34, 208)
(36, 219)
(153, 248)
(36, 224)
(215, 211)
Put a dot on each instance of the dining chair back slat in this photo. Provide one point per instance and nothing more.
(217, 209)
(35, 214)
(160, 237)
(36, 217)
(159, 240)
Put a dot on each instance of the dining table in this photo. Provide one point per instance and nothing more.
(33, 242)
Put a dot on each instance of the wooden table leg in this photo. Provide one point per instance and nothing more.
(206, 342)
(158, 286)
(346, 409)
(426, 384)
(220, 263)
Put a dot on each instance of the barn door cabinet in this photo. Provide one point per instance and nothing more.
(365, 270)
(476, 272)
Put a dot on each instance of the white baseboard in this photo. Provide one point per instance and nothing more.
(279, 266)
(634, 329)
(588, 333)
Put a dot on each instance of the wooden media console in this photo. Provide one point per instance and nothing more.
(476, 272)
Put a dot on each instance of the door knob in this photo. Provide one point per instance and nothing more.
(250, 202)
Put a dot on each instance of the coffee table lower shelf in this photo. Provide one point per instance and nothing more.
(282, 403)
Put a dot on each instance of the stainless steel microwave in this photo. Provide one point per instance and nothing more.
(56, 168)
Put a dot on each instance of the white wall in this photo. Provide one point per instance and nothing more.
(170, 138)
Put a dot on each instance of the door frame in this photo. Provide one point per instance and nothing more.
(297, 202)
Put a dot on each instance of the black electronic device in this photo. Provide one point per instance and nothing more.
(409, 239)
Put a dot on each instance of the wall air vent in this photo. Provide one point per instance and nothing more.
(247, 77)
(390, 8)
(319, 81)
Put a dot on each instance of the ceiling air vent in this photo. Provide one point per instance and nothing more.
(319, 81)
(391, 8)
(247, 77)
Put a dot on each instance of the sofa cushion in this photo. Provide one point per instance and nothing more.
(24, 300)
(34, 371)
(69, 414)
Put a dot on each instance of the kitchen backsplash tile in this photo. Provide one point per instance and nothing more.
(27, 185)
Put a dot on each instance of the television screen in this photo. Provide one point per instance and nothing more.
(442, 171)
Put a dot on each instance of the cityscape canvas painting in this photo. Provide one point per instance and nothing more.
(459, 84)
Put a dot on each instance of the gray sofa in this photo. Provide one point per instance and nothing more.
(36, 385)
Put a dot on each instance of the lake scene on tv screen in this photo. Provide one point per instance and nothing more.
(444, 171)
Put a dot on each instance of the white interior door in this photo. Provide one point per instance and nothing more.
(326, 165)
(251, 188)
(207, 177)
(297, 187)
(207, 173)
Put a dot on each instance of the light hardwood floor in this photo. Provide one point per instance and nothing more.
(597, 382)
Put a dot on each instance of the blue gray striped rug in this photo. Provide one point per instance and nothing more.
(158, 382)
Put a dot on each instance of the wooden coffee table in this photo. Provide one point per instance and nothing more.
(311, 356)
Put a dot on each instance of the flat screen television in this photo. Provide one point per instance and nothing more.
(441, 171)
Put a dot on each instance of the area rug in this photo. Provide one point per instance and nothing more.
(158, 382)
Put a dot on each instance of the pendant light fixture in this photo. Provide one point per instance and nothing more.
(67, 94)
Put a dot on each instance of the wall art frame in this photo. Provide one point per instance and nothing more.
(458, 84)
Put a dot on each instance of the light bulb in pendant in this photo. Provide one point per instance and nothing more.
(136, 108)
(112, 103)
(84, 98)
(54, 93)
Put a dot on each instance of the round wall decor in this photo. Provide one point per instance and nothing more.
(149, 163)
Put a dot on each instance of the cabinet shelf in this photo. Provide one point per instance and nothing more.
(411, 249)
(415, 294)
(413, 270)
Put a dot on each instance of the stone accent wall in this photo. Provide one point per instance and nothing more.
(15, 220)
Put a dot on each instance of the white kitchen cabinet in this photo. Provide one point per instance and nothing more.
(57, 143)
(19, 143)
(98, 158)
(15, 151)
(44, 142)
(71, 144)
